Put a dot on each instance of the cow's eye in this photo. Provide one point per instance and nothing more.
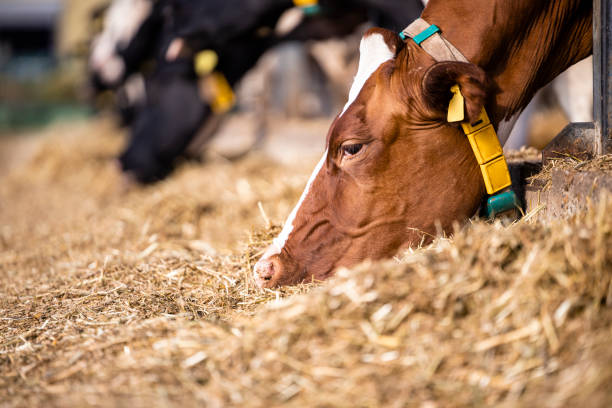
(351, 149)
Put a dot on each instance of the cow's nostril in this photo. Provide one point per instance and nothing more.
(266, 271)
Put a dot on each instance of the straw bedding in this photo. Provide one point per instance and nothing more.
(143, 298)
(601, 164)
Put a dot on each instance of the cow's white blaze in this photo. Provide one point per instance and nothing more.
(121, 23)
(288, 21)
(279, 242)
(373, 52)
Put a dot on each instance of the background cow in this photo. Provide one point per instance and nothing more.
(157, 138)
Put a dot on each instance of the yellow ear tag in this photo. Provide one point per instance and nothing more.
(455, 107)
(305, 3)
(205, 62)
(223, 97)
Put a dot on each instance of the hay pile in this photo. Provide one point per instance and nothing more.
(543, 179)
(568, 162)
(143, 298)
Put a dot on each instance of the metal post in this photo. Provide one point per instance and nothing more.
(602, 75)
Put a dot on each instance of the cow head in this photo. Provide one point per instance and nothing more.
(125, 41)
(394, 171)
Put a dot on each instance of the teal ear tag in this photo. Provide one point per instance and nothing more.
(312, 10)
(502, 202)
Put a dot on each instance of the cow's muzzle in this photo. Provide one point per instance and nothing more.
(268, 271)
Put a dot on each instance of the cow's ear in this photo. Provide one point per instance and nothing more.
(390, 38)
(472, 82)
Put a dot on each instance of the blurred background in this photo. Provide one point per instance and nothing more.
(240, 75)
(43, 54)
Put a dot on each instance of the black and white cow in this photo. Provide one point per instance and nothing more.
(158, 99)
(129, 37)
(240, 31)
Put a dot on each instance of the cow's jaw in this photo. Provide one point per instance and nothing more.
(279, 242)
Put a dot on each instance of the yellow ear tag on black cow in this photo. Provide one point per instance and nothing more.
(205, 62)
(305, 3)
(455, 107)
(222, 95)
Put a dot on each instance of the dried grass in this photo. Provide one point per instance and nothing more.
(143, 299)
(572, 163)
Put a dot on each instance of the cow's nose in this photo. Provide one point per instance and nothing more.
(267, 272)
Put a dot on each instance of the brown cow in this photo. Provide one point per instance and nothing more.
(394, 169)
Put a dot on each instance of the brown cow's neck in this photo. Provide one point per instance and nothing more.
(521, 44)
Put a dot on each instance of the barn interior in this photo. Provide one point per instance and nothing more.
(115, 292)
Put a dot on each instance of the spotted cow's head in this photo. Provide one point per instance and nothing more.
(123, 43)
(394, 171)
